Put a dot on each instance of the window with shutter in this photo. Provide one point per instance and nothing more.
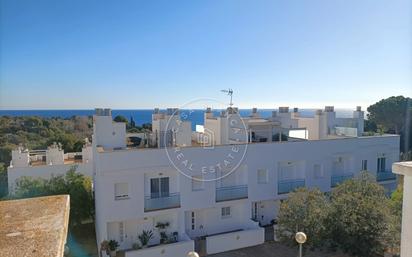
(121, 191)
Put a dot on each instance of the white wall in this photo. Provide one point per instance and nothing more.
(20, 157)
(235, 240)
(312, 125)
(212, 222)
(405, 168)
(107, 133)
(45, 171)
(267, 211)
(167, 250)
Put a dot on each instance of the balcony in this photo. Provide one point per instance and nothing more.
(231, 193)
(339, 179)
(160, 203)
(288, 185)
(385, 175)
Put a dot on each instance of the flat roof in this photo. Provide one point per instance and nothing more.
(34, 226)
(403, 168)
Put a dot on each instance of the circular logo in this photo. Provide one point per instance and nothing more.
(205, 140)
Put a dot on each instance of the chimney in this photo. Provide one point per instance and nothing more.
(283, 109)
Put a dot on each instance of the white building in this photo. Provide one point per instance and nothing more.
(45, 163)
(405, 169)
(141, 185)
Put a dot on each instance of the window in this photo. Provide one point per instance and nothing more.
(225, 212)
(287, 171)
(159, 187)
(197, 183)
(121, 191)
(338, 166)
(318, 171)
(381, 164)
(262, 176)
(364, 164)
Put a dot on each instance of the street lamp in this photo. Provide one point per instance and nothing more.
(300, 237)
(192, 254)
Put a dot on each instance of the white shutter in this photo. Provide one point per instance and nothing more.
(121, 191)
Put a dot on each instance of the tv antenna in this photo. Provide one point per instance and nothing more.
(229, 92)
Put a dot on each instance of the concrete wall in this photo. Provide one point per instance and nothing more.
(107, 133)
(234, 240)
(405, 168)
(167, 250)
(209, 221)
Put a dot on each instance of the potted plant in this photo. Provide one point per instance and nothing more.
(162, 226)
(145, 237)
(113, 245)
(163, 238)
(104, 246)
(136, 246)
(175, 236)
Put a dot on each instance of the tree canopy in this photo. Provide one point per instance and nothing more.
(78, 186)
(357, 218)
(120, 118)
(359, 215)
(304, 211)
(37, 133)
(393, 115)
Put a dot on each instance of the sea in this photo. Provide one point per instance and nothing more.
(141, 116)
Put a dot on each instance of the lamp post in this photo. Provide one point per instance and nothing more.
(301, 238)
(192, 254)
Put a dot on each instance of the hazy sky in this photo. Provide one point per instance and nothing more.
(141, 54)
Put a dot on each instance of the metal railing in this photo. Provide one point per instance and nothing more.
(162, 202)
(288, 185)
(338, 179)
(385, 175)
(231, 193)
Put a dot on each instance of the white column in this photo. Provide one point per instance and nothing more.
(405, 168)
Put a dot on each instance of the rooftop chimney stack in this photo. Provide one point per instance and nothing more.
(283, 109)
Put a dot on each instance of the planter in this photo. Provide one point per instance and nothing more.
(113, 253)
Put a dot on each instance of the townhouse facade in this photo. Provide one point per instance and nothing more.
(181, 184)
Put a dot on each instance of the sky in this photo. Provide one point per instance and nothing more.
(131, 54)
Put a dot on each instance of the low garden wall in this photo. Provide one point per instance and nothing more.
(235, 240)
(165, 250)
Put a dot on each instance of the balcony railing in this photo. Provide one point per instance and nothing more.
(160, 203)
(339, 179)
(288, 185)
(231, 193)
(385, 175)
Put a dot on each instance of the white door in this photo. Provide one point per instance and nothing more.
(116, 231)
